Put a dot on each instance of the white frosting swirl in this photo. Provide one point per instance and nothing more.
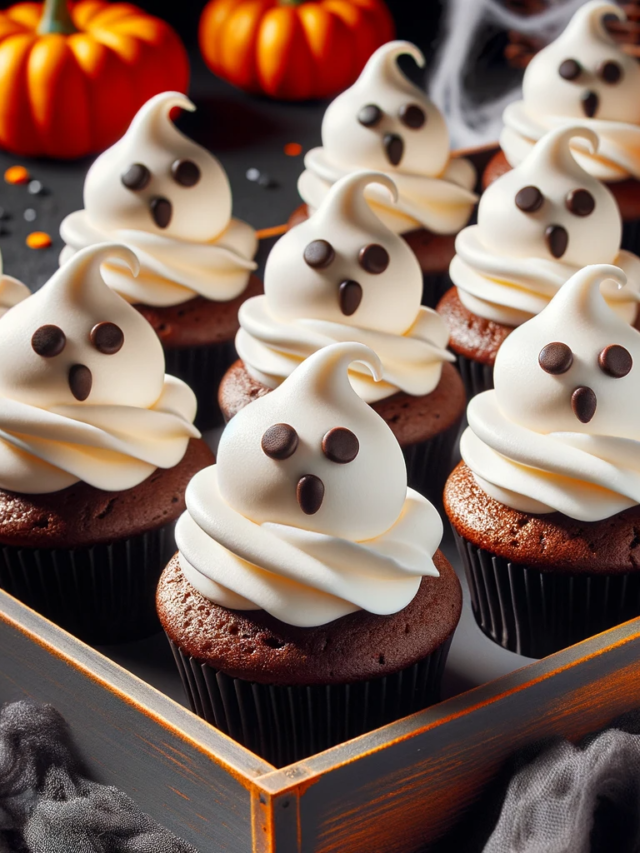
(434, 190)
(12, 291)
(300, 311)
(504, 268)
(550, 100)
(525, 443)
(134, 418)
(202, 251)
(245, 542)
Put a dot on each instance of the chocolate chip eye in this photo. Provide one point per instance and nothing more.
(610, 72)
(340, 445)
(557, 240)
(615, 361)
(161, 211)
(185, 172)
(280, 441)
(584, 403)
(570, 69)
(580, 202)
(555, 358)
(373, 259)
(529, 199)
(136, 177)
(413, 116)
(370, 115)
(48, 341)
(319, 254)
(107, 338)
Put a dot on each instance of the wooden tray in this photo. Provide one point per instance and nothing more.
(395, 790)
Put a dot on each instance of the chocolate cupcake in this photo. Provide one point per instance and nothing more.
(537, 226)
(584, 77)
(308, 602)
(344, 276)
(169, 200)
(385, 122)
(96, 448)
(545, 506)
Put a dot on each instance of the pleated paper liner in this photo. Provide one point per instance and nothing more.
(103, 594)
(430, 462)
(202, 368)
(631, 236)
(434, 287)
(287, 724)
(538, 613)
(476, 377)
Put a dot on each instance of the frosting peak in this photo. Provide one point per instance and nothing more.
(82, 386)
(538, 224)
(307, 513)
(343, 275)
(560, 430)
(584, 75)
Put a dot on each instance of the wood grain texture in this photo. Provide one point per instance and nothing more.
(179, 769)
(400, 788)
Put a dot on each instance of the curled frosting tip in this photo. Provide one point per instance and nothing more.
(585, 286)
(91, 258)
(333, 362)
(384, 61)
(159, 108)
(590, 18)
(348, 193)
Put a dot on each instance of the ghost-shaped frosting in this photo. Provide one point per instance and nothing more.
(307, 513)
(561, 429)
(343, 275)
(385, 122)
(12, 291)
(157, 179)
(584, 75)
(83, 392)
(342, 263)
(537, 225)
(168, 199)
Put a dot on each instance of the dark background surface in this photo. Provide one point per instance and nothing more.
(243, 131)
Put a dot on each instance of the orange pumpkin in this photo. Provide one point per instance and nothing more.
(73, 77)
(292, 49)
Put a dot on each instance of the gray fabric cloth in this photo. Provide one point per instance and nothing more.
(47, 803)
(575, 799)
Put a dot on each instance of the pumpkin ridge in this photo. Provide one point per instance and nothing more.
(14, 59)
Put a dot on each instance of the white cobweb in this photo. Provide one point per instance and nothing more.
(471, 121)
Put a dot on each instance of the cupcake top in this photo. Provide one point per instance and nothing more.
(385, 122)
(83, 392)
(561, 430)
(342, 275)
(12, 291)
(538, 225)
(169, 200)
(584, 76)
(307, 514)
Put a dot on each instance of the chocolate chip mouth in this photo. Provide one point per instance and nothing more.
(590, 103)
(350, 297)
(584, 403)
(557, 240)
(80, 381)
(393, 146)
(310, 493)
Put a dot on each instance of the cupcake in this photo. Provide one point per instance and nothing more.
(169, 200)
(385, 122)
(342, 275)
(537, 226)
(545, 505)
(308, 602)
(584, 77)
(97, 446)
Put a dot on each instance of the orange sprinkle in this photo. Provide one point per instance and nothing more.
(16, 175)
(275, 231)
(293, 149)
(38, 240)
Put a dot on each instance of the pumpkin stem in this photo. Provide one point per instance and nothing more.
(56, 18)
(291, 2)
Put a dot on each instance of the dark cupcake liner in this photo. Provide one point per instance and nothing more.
(538, 613)
(631, 236)
(430, 462)
(476, 377)
(286, 724)
(103, 594)
(434, 287)
(202, 368)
